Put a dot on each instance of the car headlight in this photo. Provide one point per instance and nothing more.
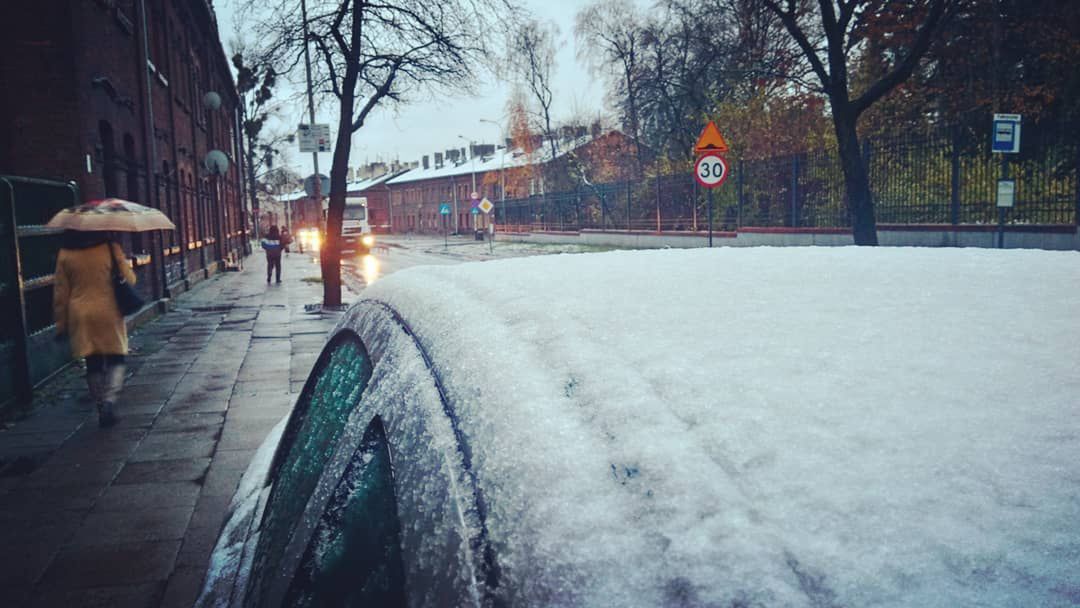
(368, 240)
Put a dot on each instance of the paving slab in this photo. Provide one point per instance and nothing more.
(111, 565)
(169, 449)
(134, 596)
(160, 471)
(131, 526)
(73, 473)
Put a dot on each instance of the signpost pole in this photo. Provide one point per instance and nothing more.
(709, 190)
(1001, 210)
(311, 105)
(1005, 140)
(711, 169)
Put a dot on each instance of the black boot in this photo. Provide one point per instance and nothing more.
(106, 416)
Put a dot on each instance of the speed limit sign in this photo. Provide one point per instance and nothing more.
(711, 170)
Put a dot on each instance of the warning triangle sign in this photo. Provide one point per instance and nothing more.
(710, 140)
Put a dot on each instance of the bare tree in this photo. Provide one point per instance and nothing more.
(829, 33)
(373, 54)
(256, 86)
(613, 37)
(532, 61)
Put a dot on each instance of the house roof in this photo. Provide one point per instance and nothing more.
(354, 186)
(502, 159)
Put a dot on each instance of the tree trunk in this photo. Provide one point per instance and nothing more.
(856, 176)
(339, 167)
(251, 189)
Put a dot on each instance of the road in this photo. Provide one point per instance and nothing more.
(396, 253)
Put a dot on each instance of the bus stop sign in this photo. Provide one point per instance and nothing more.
(1005, 137)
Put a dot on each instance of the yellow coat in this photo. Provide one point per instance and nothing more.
(84, 306)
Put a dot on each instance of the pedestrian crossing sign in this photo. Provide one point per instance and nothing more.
(444, 208)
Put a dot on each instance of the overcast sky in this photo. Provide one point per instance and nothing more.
(425, 127)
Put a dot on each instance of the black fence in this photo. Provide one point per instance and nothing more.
(945, 177)
(28, 251)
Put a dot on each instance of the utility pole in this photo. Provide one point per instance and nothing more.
(311, 105)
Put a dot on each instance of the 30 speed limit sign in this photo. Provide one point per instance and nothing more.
(711, 170)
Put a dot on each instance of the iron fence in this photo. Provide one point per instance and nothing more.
(943, 177)
(28, 252)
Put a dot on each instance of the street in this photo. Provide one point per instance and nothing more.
(396, 253)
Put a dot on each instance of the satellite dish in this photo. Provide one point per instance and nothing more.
(212, 100)
(216, 162)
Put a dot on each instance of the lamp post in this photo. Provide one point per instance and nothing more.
(502, 162)
(472, 162)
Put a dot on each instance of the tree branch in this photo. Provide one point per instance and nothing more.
(790, 21)
(903, 70)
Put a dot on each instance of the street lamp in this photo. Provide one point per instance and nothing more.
(472, 161)
(502, 159)
(502, 170)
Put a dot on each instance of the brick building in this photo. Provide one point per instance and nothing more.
(301, 210)
(126, 98)
(461, 180)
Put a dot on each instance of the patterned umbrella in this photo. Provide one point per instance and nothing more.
(111, 215)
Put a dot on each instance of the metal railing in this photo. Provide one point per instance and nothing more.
(28, 354)
(946, 177)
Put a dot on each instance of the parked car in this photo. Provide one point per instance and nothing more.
(723, 427)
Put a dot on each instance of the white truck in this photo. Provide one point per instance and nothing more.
(356, 233)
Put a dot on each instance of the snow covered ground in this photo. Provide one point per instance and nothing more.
(768, 427)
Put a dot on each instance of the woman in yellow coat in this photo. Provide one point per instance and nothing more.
(85, 309)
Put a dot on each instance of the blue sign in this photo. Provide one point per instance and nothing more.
(1005, 136)
(444, 208)
(475, 210)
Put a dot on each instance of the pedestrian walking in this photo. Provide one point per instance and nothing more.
(85, 310)
(272, 244)
(92, 290)
(286, 238)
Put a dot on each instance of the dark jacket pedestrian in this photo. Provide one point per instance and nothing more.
(286, 238)
(84, 308)
(272, 244)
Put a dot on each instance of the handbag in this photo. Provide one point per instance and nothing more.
(127, 299)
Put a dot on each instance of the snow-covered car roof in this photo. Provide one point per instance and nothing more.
(773, 427)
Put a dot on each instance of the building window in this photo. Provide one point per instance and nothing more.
(108, 158)
(131, 168)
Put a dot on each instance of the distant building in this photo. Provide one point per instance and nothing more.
(85, 101)
(302, 211)
(452, 177)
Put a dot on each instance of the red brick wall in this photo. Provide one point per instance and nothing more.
(68, 65)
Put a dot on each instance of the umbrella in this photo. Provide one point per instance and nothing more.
(111, 215)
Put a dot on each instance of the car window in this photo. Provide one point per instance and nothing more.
(354, 556)
(333, 390)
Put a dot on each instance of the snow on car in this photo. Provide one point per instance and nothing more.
(723, 427)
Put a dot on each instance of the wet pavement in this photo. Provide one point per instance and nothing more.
(128, 516)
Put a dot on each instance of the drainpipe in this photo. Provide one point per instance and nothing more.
(151, 147)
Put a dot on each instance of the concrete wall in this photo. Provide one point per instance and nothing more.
(1055, 238)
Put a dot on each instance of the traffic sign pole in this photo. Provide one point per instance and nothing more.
(711, 169)
(710, 216)
(1001, 208)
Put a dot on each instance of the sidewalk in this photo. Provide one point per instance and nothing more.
(128, 516)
